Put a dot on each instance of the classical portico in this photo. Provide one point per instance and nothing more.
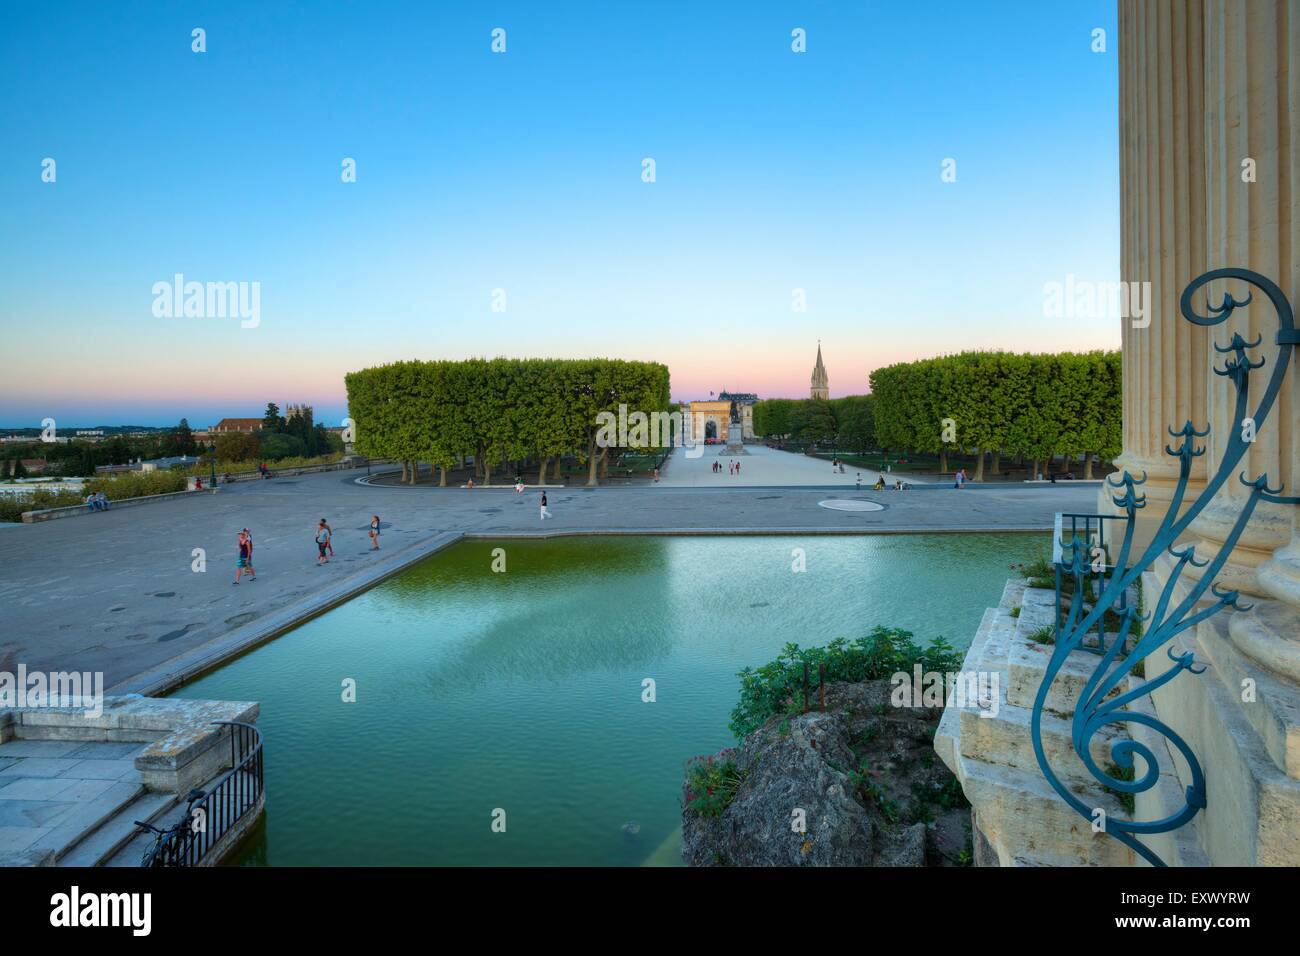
(1210, 179)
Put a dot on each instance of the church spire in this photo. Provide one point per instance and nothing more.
(820, 383)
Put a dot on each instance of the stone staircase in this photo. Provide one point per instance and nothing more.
(97, 845)
(1019, 820)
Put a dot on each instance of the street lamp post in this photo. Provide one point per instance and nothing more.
(212, 461)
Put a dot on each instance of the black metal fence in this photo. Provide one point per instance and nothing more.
(222, 807)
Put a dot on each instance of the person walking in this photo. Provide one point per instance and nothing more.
(656, 476)
(329, 543)
(322, 542)
(545, 512)
(245, 562)
(374, 533)
(738, 468)
(859, 481)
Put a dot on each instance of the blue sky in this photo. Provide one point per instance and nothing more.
(522, 171)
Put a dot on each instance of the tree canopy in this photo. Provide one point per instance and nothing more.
(499, 410)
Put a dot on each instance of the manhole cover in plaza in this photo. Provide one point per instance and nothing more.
(850, 504)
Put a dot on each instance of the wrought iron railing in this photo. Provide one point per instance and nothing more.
(1090, 531)
(224, 805)
(1164, 622)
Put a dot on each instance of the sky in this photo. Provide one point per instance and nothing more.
(518, 179)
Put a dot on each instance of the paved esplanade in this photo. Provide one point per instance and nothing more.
(116, 591)
(761, 466)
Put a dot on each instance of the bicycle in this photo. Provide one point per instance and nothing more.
(169, 845)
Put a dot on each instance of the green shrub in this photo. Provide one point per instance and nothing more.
(1044, 635)
(767, 690)
(12, 506)
(137, 484)
(711, 783)
(204, 469)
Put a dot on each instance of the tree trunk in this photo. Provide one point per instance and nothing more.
(604, 465)
(594, 459)
(1033, 474)
(943, 459)
(979, 467)
(487, 472)
(403, 471)
(995, 462)
(442, 480)
(541, 472)
(1087, 467)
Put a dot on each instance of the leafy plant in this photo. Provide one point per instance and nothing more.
(1127, 800)
(1044, 635)
(769, 689)
(711, 784)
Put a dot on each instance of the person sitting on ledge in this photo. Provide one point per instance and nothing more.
(880, 483)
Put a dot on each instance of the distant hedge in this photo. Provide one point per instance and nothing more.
(1035, 405)
(136, 484)
(498, 410)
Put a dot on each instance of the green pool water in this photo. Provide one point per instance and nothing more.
(522, 690)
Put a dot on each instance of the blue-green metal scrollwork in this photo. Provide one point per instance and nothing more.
(1164, 623)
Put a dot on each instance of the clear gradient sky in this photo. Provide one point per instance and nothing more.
(522, 171)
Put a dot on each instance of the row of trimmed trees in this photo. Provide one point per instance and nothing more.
(848, 423)
(1032, 406)
(497, 410)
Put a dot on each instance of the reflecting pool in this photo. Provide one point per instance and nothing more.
(522, 689)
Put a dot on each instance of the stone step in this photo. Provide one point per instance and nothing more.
(1027, 662)
(86, 818)
(131, 851)
(948, 732)
(1027, 823)
(113, 834)
(1007, 739)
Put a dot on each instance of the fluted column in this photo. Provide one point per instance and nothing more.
(1279, 576)
(1162, 239)
(1205, 86)
(1251, 118)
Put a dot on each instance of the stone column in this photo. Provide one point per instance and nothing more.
(1256, 64)
(1242, 715)
(1162, 240)
(1252, 129)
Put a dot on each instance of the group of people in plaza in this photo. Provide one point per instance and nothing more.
(733, 468)
(97, 501)
(881, 485)
(324, 537)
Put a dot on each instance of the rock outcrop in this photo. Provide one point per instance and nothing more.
(859, 777)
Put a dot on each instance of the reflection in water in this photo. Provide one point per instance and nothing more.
(521, 690)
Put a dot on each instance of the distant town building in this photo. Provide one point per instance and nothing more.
(163, 464)
(34, 466)
(232, 425)
(712, 418)
(293, 411)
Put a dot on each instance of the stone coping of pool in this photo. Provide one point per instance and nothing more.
(185, 744)
(207, 656)
(199, 660)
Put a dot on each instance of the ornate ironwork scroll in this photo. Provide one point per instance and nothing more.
(1111, 579)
